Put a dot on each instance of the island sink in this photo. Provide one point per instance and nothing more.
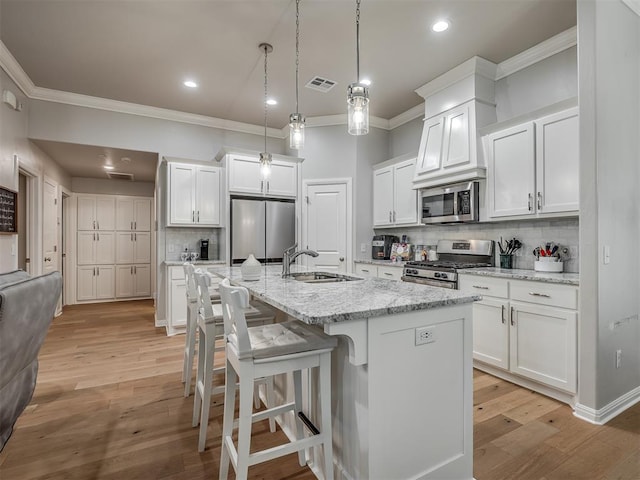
(320, 277)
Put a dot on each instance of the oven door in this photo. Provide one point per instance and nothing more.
(430, 281)
(451, 204)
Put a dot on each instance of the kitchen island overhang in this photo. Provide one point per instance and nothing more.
(401, 375)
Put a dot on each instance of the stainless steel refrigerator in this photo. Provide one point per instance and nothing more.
(262, 227)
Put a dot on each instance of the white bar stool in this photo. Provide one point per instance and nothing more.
(266, 351)
(210, 327)
(192, 322)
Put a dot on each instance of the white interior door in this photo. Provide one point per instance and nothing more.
(326, 223)
(50, 226)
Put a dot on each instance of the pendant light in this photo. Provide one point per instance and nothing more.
(358, 93)
(265, 157)
(296, 120)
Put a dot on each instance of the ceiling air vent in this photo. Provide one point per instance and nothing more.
(320, 84)
(120, 176)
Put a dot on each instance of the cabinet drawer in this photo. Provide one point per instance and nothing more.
(390, 273)
(554, 295)
(494, 287)
(176, 273)
(366, 270)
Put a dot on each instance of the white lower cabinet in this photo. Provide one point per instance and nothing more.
(380, 271)
(176, 300)
(133, 281)
(95, 282)
(526, 328)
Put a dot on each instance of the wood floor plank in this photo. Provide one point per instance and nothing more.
(109, 405)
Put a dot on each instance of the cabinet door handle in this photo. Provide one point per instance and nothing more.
(529, 202)
(536, 294)
(193, 216)
(98, 270)
(94, 224)
(364, 270)
(268, 186)
(135, 270)
(98, 224)
(94, 237)
(261, 185)
(135, 237)
(390, 216)
(198, 216)
(394, 216)
(512, 315)
(539, 201)
(480, 287)
(135, 225)
(94, 271)
(503, 319)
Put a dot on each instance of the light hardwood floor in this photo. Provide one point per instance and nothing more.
(109, 405)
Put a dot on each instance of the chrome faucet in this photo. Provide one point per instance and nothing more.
(290, 256)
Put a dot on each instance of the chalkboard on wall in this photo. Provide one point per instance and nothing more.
(8, 211)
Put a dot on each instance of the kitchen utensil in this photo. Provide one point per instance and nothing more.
(543, 252)
(554, 249)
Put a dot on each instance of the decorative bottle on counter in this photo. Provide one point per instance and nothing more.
(251, 268)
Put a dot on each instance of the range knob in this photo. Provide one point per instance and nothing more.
(437, 274)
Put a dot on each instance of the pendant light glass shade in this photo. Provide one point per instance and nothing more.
(358, 109)
(265, 165)
(296, 131)
(358, 93)
(296, 120)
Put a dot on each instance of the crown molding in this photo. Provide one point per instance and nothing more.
(549, 47)
(475, 65)
(407, 116)
(341, 119)
(10, 65)
(633, 5)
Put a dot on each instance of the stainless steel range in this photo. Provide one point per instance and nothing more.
(453, 255)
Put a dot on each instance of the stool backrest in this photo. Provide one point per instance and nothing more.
(190, 281)
(235, 300)
(203, 296)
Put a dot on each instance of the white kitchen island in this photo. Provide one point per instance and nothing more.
(402, 386)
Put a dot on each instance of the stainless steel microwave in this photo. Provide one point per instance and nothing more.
(456, 203)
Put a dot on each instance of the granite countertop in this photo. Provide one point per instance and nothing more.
(386, 263)
(319, 303)
(520, 274)
(177, 263)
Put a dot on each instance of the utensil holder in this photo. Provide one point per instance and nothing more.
(548, 265)
(506, 260)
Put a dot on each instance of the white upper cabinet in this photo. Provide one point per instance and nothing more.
(133, 214)
(95, 248)
(133, 247)
(533, 167)
(395, 202)
(245, 177)
(430, 154)
(194, 195)
(96, 212)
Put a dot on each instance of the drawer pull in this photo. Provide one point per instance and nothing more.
(480, 287)
(535, 294)
(388, 274)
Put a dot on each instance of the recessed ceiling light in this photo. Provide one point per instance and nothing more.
(440, 26)
(125, 159)
(272, 101)
(365, 81)
(190, 84)
(102, 156)
(108, 167)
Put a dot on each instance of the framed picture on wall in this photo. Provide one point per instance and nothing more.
(8, 211)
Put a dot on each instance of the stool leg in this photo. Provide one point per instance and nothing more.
(197, 395)
(297, 393)
(244, 422)
(209, 340)
(270, 402)
(186, 347)
(190, 349)
(325, 413)
(227, 420)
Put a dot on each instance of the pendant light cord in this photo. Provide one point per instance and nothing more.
(358, 40)
(265, 97)
(297, 49)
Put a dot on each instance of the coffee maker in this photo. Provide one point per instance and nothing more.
(204, 249)
(381, 246)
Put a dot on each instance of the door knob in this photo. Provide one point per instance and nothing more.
(342, 259)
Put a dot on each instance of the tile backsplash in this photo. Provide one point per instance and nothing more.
(532, 233)
(176, 238)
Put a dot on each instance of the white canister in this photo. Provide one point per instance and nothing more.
(251, 268)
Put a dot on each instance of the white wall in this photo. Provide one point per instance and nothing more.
(112, 187)
(14, 141)
(609, 79)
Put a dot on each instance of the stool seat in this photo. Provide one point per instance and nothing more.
(268, 350)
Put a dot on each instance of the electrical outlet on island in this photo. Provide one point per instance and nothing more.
(425, 335)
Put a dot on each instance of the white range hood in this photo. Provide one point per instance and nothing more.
(456, 104)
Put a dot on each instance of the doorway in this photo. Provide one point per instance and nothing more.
(327, 223)
(27, 221)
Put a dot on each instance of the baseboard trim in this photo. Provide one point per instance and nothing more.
(609, 411)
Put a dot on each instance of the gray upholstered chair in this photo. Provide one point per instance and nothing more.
(27, 306)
